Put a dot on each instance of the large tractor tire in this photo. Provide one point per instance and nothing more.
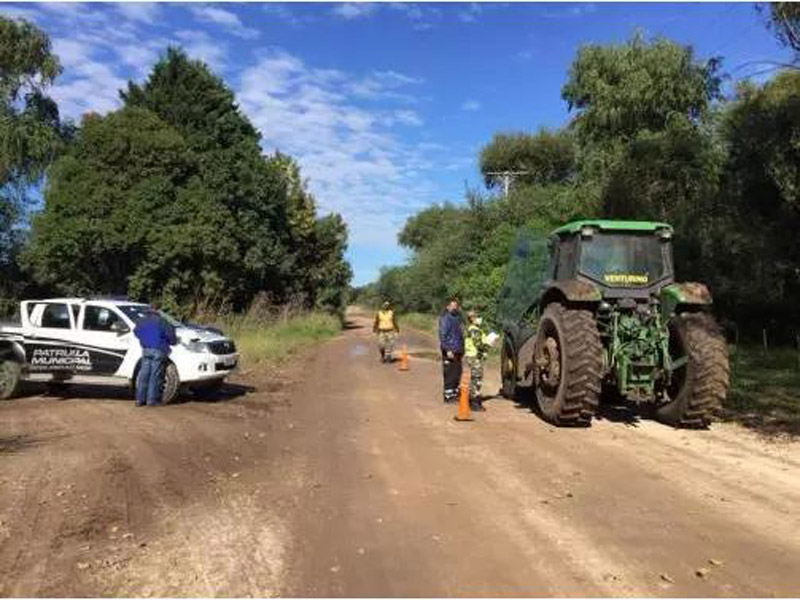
(699, 385)
(568, 360)
(508, 369)
(10, 378)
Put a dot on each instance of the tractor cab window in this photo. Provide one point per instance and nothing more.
(624, 259)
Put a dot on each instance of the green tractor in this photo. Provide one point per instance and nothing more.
(596, 308)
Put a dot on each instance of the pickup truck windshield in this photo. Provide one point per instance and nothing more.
(136, 312)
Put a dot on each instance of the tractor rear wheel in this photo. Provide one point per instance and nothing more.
(700, 381)
(568, 363)
(508, 369)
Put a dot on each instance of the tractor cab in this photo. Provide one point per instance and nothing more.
(621, 258)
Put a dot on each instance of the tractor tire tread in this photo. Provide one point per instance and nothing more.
(584, 366)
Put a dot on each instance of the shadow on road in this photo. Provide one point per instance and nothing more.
(11, 444)
(64, 392)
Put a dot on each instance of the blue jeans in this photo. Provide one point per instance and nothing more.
(151, 377)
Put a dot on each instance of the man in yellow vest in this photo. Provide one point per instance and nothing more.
(475, 348)
(386, 327)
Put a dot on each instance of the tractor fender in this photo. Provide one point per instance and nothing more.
(571, 290)
(676, 295)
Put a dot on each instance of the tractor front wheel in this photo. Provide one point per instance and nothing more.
(568, 363)
(699, 379)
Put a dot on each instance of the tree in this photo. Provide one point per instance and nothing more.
(547, 157)
(784, 20)
(621, 90)
(161, 199)
(754, 255)
(644, 127)
(30, 131)
(113, 202)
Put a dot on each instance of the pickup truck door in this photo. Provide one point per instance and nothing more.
(51, 340)
(107, 336)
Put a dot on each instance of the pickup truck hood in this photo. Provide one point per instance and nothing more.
(195, 333)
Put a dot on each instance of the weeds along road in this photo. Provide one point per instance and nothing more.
(344, 477)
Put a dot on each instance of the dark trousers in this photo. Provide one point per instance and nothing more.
(451, 371)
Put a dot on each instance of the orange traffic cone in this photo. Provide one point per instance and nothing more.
(464, 412)
(404, 359)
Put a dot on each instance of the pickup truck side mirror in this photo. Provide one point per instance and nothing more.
(119, 328)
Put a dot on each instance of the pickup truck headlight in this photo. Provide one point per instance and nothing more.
(196, 346)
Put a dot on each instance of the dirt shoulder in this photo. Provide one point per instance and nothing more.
(343, 477)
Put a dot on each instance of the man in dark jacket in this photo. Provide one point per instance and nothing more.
(156, 336)
(451, 342)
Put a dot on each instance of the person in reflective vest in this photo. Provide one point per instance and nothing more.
(386, 327)
(476, 346)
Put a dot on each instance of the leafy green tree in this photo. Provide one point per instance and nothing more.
(643, 123)
(544, 158)
(170, 197)
(113, 201)
(31, 132)
(784, 20)
(753, 254)
(187, 95)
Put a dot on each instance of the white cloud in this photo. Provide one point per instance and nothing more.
(471, 105)
(228, 20)
(18, 12)
(382, 85)
(572, 11)
(421, 15)
(354, 10)
(470, 13)
(285, 14)
(352, 155)
(143, 12)
(92, 85)
(200, 45)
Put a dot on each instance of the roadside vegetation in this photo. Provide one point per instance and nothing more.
(168, 198)
(657, 133)
(765, 390)
(275, 341)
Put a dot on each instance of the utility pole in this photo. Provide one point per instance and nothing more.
(507, 178)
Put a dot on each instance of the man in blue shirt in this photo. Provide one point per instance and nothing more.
(156, 336)
(451, 342)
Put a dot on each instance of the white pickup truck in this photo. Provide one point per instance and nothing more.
(77, 340)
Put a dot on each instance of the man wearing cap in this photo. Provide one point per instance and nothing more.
(451, 343)
(385, 326)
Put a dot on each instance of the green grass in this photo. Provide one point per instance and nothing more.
(419, 321)
(276, 340)
(765, 390)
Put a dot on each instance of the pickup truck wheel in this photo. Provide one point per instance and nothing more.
(10, 378)
(172, 384)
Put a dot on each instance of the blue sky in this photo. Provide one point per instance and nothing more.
(385, 105)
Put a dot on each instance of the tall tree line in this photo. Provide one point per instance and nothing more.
(651, 137)
(170, 197)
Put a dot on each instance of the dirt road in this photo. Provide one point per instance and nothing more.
(344, 477)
